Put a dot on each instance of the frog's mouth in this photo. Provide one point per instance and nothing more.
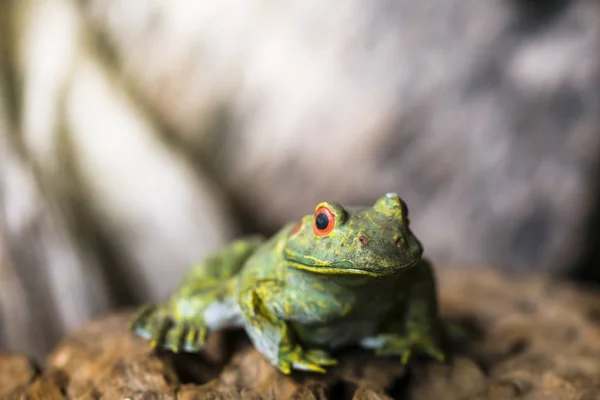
(317, 266)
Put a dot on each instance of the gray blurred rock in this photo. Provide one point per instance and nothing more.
(482, 114)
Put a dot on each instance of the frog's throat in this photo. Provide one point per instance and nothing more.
(344, 268)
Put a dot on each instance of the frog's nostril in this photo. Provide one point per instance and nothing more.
(399, 242)
(362, 240)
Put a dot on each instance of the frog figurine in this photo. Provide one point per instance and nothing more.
(342, 276)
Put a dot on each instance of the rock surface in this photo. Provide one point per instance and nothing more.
(531, 338)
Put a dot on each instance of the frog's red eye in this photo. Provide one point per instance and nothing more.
(324, 221)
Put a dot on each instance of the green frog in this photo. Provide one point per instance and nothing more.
(338, 277)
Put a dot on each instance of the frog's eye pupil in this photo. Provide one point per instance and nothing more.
(322, 221)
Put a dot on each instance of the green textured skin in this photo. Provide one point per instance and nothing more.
(299, 295)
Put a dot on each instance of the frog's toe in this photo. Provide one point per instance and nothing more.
(314, 360)
(149, 321)
(304, 360)
(407, 347)
(398, 346)
(395, 347)
(195, 337)
(427, 344)
(435, 352)
(160, 331)
(320, 357)
(406, 354)
(141, 317)
(175, 338)
(285, 367)
(403, 350)
(305, 365)
(141, 320)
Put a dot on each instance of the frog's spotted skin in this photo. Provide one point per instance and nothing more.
(337, 277)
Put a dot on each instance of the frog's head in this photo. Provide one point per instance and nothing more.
(372, 241)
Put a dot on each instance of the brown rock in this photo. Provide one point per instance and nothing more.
(116, 365)
(529, 337)
(16, 372)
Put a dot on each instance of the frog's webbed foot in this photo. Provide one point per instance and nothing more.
(406, 345)
(156, 324)
(304, 359)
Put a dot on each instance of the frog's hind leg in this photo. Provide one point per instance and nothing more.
(224, 264)
(204, 302)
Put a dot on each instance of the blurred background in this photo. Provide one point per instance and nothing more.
(136, 136)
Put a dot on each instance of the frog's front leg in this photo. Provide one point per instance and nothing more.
(272, 335)
(204, 301)
(184, 322)
(418, 328)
